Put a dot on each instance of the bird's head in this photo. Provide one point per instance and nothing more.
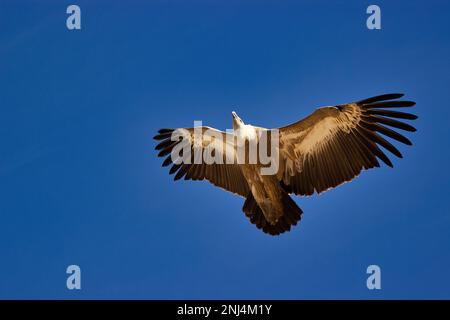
(237, 122)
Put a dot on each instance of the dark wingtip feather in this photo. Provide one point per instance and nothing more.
(177, 176)
(174, 168)
(166, 130)
(180, 174)
(408, 127)
(386, 131)
(392, 114)
(164, 152)
(385, 159)
(383, 97)
(161, 136)
(164, 144)
(392, 149)
(167, 161)
(390, 122)
(390, 104)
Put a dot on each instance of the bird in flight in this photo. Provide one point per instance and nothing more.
(329, 147)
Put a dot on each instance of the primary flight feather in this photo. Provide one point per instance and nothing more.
(329, 147)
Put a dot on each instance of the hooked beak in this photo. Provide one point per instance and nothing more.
(236, 117)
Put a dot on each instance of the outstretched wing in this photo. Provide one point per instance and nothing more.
(334, 144)
(199, 141)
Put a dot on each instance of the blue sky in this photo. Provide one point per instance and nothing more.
(81, 184)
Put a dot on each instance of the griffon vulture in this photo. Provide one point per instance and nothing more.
(329, 147)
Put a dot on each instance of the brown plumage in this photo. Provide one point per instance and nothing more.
(329, 147)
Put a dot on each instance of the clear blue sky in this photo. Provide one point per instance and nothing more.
(81, 184)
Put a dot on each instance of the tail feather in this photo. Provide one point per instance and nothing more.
(292, 215)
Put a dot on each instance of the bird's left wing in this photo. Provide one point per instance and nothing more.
(334, 144)
(202, 153)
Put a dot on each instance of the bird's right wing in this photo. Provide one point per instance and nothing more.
(202, 153)
(333, 144)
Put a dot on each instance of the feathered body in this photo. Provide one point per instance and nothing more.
(329, 147)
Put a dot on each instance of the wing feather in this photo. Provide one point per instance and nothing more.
(334, 144)
(226, 176)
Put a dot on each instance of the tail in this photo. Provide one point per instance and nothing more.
(292, 215)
